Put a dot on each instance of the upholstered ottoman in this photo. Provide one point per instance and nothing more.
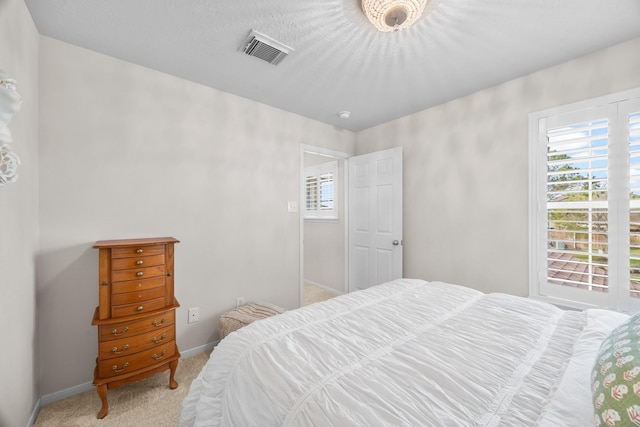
(246, 314)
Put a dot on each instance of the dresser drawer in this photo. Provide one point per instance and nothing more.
(114, 331)
(139, 308)
(137, 273)
(126, 364)
(137, 297)
(137, 343)
(134, 251)
(137, 285)
(137, 262)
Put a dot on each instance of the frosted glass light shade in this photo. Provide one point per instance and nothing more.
(393, 15)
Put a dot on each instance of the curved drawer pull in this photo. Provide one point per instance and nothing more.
(156, 324)
(140, 307)
(115, 349)
(140, 273)
(139, 251)
(114, 368)
(156, 357)
(158, 341)
(124, 330)
(139, 262)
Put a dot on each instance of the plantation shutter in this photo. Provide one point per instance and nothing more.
(311, 192)
(326, 194)
(320, 188)
(585, 228)
(577, 205)
(634, 200)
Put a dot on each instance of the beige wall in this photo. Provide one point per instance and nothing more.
(130, 152)
(19, 222)
(466, 170)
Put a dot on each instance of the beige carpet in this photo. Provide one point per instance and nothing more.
(316, 294)
(147, 403)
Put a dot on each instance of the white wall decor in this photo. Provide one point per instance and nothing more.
(10, 101)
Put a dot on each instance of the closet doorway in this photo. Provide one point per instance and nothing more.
(323, 224)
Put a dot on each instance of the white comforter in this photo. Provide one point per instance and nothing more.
(406, 353)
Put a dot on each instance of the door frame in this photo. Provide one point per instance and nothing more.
(305, 148)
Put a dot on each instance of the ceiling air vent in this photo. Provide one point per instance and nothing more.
(265, 48)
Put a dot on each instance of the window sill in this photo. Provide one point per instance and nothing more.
(566, 304)
(333, 220)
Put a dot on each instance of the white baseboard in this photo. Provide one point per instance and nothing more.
(81, 388)
(325, 287)
(34, 414)
(63, 394)
(196, 350)
(54, 397)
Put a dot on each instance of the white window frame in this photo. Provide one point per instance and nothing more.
(616, 108)
(318, 171)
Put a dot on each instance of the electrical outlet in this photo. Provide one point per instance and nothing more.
(239, 301)
(194, 314)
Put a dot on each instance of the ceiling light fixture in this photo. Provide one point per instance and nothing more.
(393, 15)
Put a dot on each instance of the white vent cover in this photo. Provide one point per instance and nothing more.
(265, 48)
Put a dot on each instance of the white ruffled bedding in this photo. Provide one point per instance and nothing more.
(406, 353)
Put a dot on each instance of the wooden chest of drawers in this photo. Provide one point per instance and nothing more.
(136, 313)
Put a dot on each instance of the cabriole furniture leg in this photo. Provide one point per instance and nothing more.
(102, 392)
(172, 371)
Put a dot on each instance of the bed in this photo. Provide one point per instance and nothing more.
(406, 353)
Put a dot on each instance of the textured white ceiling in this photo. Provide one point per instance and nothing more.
(341, 62)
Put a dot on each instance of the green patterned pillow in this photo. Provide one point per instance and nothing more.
(615, 380)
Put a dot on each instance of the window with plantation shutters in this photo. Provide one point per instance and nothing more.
(634, 202)
(320, 191)
(577, 209)
(585, 203)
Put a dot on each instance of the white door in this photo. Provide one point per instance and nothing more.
(375, 218)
